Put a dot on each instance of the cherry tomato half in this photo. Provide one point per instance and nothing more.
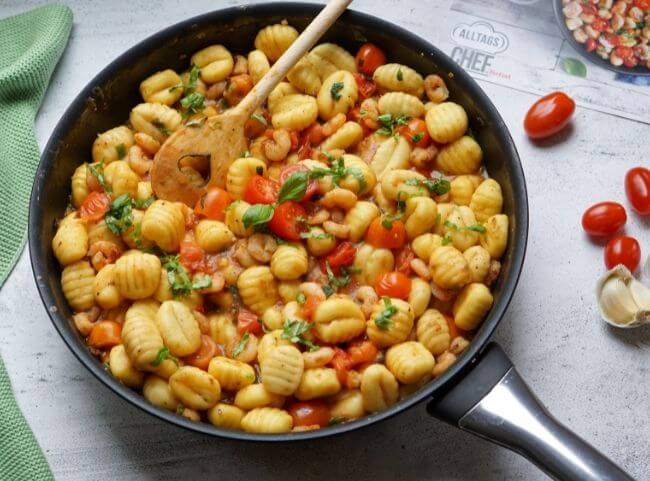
(393, 284)
(367, 87)
(192, 256)
(310, 413)
(208, 349)
(94, 206)
(213, 204)
(260, 190)
(342, 255)
(312, 186)
(369, 58)
(105, 334)
(379, 235)
(637, 188)
(604, 219)
(248, 321)
(549, 115)
(415, 131)
(623, 250)
(289, 220)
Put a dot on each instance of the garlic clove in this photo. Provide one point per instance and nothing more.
(623, 301)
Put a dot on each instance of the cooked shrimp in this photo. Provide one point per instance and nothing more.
(278, 148)
(493, 272)
(339, 198)
(312, 289)
(261, 247)
(333, 124)
(242, 255)
(367, 296)
(423, 157)
(102, 253)
(319, 358)
(440, 293)
(138, 161)
(369, 110)
(436, 88)
(318, 217)
(146, 143)
(216, 91)
(85, 321)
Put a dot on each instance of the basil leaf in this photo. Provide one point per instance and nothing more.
(294, 331)
(573, 66)
(202, 282)
(257, 214)
(260, 119)
(335, 89)
(120, 215)
(383, 321)
(193, 103)
(179, 280)
(98, 172)
(121, 151)
(241, 345)
(477, 228)
(162, 355)
(294, 187)
(400, 75)
(143, 203)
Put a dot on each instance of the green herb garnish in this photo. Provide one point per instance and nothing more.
(257, 215)
(301, 298)
(294, 331)
(193, 103)
(388, 123)
(162, 355)
(241, 345)
(316, 235)
(435, 186)
(179, 280)
(383, 321)
(121, 151)
(337, 420)
(120, 214)
(335, 89)
(417, 137)
(143, 203)
(260, 119)
(400, 75)
(98, 172)
(162, 128)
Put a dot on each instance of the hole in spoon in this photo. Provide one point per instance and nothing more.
(196, 167)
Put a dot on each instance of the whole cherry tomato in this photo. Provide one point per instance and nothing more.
(549, 115)
(391, 235)
(369, 58)
(415, 131)
(591, 45)
(604, 219)
(201, 358)
(599, 24)
(393, 284)
(343, 255)
(289, 220)
(248, 321)
(288, 171)
(623, 250)
(310, 413)
(637, 188)
(260, 190)
(94, 206)
(213, 204)
(367, 87)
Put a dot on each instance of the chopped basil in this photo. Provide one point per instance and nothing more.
(337, 420)
(450, 225)
(294, 187)
(98, 172)
(417, 137)
(178, 278)
(301, 298)
(388, 219)
(435, 186)
(143, 203)
(294, 331)
(473, 227)
(335, 282)
(446, 240)
(383, 321)
(120, 214)
(400, 75)
(257, 215)
(193, 103)
(121, 151)
(161, 127)
(260, 119)
(202, 282)
(328, 290)
(162, 355)
(136, 235)
(477, 228)
(192, 80)
(335, 89)
(241, 345)
(389, 122)
(180, 409)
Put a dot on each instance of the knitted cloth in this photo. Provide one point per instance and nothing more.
(30, 46)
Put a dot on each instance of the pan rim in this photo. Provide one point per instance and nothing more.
(72, 113)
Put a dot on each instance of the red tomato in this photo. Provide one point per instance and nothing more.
(310, 305)
(288, 171)
(454, 330)
(341, 364)
(604, 219)
(343, 255)
(637, 188)
(94, 206)
(599, 24)
(260, 190)
(393, 284)
(105, 334)
(213, 204)
(416, 129)
(389, 238)
(192, 256)
(403, 260)
(623, 250)
(366, 86)
(591, 45)
(289, 220)
(204, 355)
(642, 4)
(369, 58)
(310, 413)
(361, 352)
(549, 115)
(248, 321)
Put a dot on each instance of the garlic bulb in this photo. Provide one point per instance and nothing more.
(623, 301)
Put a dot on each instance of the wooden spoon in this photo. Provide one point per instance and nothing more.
(221, 137)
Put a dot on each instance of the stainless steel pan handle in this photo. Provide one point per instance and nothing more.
(493, 401)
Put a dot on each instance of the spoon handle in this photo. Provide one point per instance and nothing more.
(302, 44)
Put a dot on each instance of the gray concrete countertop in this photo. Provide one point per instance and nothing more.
(593, 378)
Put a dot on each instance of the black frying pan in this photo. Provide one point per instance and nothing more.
(482, 392)
(592, 56)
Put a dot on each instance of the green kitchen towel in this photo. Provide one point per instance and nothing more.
(30, 47)
(20, 456)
